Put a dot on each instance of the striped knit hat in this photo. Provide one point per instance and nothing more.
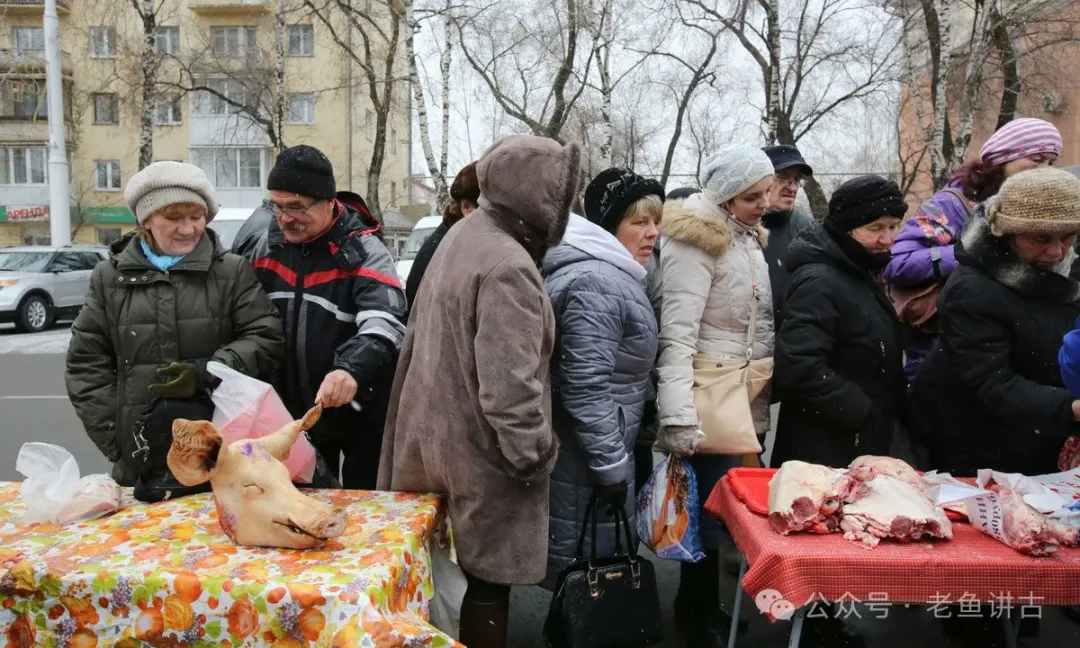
(1039, 201)
(1021, 138)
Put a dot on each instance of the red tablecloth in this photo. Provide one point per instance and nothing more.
(972, 566)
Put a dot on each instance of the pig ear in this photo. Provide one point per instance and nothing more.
(279, 443)
(197, 448)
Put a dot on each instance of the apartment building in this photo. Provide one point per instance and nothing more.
(228, 46)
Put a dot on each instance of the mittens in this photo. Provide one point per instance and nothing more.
(678, 440)
(178, 380)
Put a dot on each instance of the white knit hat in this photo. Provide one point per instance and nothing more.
(732, 171)
(169, 183)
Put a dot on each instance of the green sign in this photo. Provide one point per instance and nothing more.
(107, 215)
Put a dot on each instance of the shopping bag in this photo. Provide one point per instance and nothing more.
(54, 492)
(247, 408)
(668, 512)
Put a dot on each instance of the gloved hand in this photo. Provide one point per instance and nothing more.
(613, 496)
(179, 380)
(678, 440)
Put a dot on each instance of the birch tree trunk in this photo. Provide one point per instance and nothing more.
(938, 161)
(973, 81)
(437, 172)
(280, 99)
(772, 92)
(444, 70)
(604, 37)
(148, 63)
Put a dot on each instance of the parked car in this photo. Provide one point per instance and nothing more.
(420, 233)
(40, 284)
(228, 222)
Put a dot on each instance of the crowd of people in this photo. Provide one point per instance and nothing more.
(554, 329)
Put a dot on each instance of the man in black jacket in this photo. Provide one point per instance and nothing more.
(342, 307)
(783, 221)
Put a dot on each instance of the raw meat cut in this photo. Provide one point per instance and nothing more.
(866, 467)
(808, 497)
(1070, 454)
(1025, 529)
(893, 508)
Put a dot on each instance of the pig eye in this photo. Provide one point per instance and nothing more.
(252, 490)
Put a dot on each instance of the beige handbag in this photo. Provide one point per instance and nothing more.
(723, 390)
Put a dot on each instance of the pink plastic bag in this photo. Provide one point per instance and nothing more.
(246, 408)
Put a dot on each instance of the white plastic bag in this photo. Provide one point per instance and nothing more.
(450, 586)
(53, 491)
(247, 408)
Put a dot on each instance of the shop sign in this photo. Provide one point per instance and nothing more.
(32, 214)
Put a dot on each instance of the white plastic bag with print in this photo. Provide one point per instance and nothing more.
(53, 491)
(248, 408)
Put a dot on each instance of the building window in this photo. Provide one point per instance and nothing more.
(367, 124)
(302, 108)
(231, 168)
(301, 40)
(108, 235)
(102, 42)
(393, 193)
(225, 97)
(106, 109)
(232, 42)
(393, 141)
(167, 110)
(107, 175)
(25, 165)
(28, 39)
(167, 40)
(24, 99)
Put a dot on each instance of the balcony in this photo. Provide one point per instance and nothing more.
(33, 6)
(241, 62)
(21, 61)
(219, 7)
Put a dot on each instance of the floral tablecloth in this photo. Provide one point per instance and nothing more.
(165, 575)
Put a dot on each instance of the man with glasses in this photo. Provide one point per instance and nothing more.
(783, 221)
(341, 305)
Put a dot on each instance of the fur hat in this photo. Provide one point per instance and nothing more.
(612, 192)
(732, 171)
(169, 183)
(862, 200)
(1039, 201)
(464, 187)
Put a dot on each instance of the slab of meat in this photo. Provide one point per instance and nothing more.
(1023, 528)
(867, 467)
(808, 497)
(893, 508)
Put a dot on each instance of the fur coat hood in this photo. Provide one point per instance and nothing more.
(708, 227)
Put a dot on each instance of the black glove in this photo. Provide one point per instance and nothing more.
(613, 496)
(181, 380)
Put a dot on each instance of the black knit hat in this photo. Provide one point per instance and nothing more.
(303, 170)
(612, 192)
(862, 200)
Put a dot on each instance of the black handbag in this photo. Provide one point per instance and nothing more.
(153, 438)
(605, 602)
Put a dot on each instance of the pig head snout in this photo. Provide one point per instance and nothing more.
(331, 526)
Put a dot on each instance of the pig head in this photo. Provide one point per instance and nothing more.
(257, 503)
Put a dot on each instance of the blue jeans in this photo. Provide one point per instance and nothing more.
(709, 469)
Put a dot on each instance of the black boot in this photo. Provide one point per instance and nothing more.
(697, 604)
(484, 625)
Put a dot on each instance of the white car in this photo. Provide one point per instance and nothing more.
(420, 233)
(228, 222)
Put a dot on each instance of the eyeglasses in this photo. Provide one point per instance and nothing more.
(291, 212)
(790, 181)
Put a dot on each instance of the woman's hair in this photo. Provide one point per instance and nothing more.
(465, 187)
(651, 204)
(176, 210)
(979, 180)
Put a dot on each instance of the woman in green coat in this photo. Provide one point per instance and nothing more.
(169, 300)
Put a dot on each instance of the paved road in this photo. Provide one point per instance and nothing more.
(33, 408)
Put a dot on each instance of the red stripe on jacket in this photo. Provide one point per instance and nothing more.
(278, 268)
(326, 276)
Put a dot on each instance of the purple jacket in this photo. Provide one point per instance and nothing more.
(929, 234)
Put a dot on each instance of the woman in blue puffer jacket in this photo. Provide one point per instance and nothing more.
(606, 341)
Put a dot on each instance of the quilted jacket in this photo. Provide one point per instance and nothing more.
(605, 347)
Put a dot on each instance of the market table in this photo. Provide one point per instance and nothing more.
(971, 568)
(166, 575)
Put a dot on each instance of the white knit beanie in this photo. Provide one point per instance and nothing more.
(732, 171)
(169, 183)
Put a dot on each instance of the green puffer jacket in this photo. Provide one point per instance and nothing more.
(137, 319)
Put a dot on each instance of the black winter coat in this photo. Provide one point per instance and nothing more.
(420, 263)
(839, 358)
(341, 307)
(990, 394)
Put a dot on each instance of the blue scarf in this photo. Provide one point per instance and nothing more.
(159, 261)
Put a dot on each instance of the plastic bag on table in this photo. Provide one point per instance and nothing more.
(53, 491)
(247, 408)
(668, 512)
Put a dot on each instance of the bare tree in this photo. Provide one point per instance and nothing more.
(378, 26)
(436, 169)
